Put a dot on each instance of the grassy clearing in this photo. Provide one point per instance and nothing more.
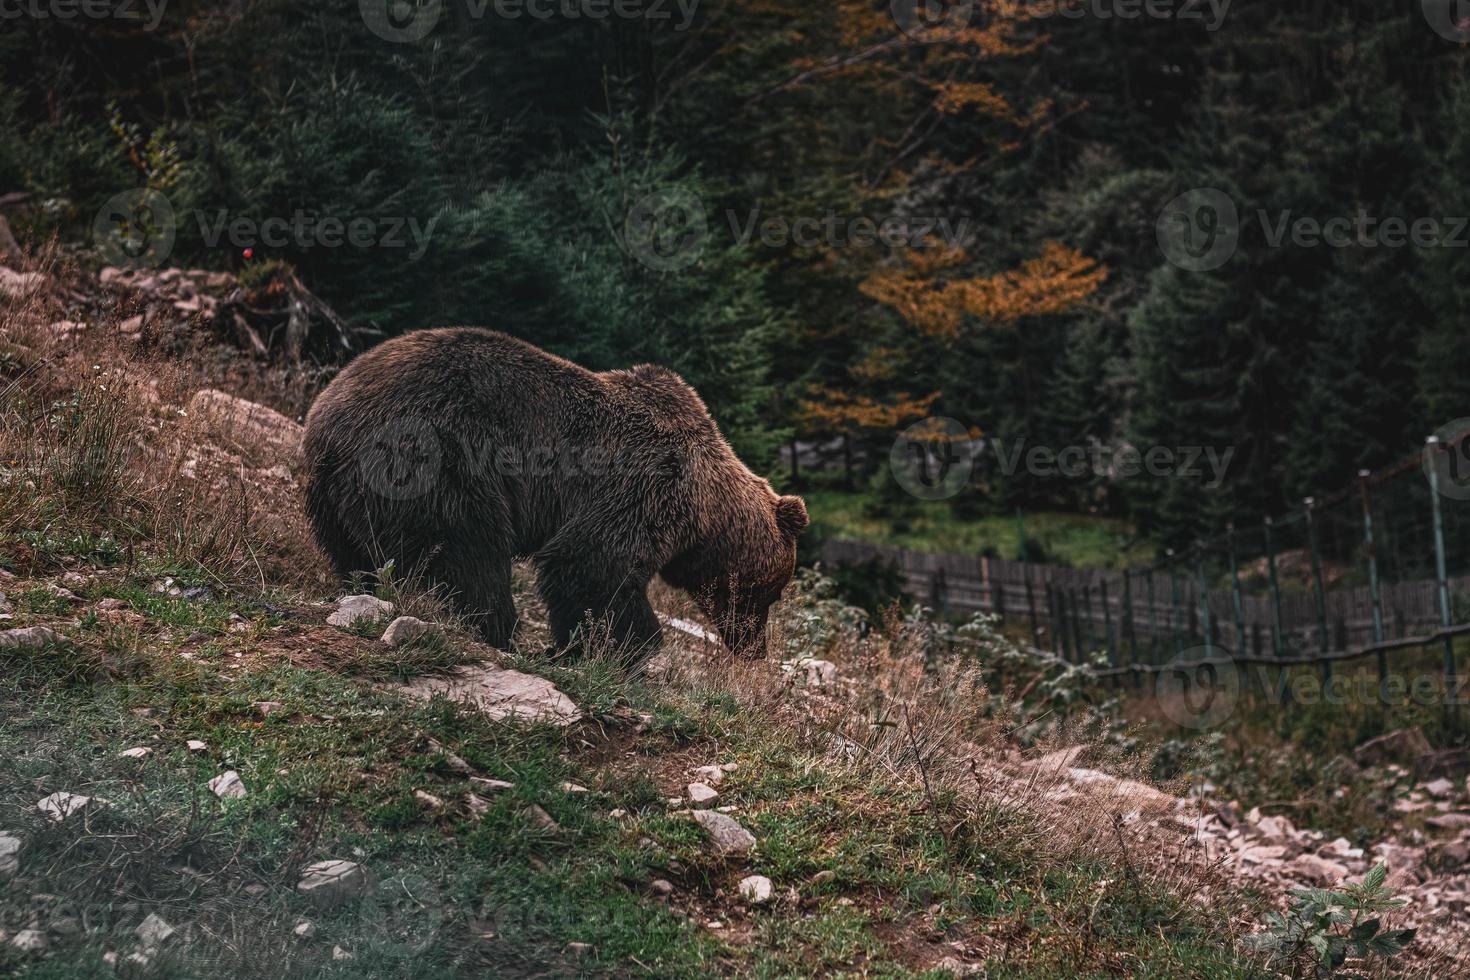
(1080, 540)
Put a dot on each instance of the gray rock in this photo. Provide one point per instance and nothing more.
(540, 818)
(353, 608)
(305, 929)
(490, 785)
(701, 795)
(710, 775)
(501, 694)
(228, 786)
(1405, 746)
(756, 889)
(59, 806)
(30, 941)
(10, 846)
(30, 636)
(330, 883)
(244, 424)
(405, 630)
(141, 752)
(154, 932)
(725, 833)
(268, 708)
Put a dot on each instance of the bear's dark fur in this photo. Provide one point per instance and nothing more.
(455, 451)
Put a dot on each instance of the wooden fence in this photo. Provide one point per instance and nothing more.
(1148, 605)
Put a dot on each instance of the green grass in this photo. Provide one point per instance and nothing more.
(885, 877)
(1079, 540)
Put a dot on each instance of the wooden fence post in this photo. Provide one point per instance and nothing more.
(1108, 629)
(1321, 599)
(1130, 636)
(1153, 629)
(1174, 600)
(1452, 688)
(1236, 601)
(1204, 599)
(1278, 636)
(1374, 597)
(1031, 612)
(1078, 649)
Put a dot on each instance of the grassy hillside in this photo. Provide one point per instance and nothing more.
(892, 809)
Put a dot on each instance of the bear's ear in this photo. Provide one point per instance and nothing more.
(791, 516)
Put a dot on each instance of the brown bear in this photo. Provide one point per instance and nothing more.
(455, 451)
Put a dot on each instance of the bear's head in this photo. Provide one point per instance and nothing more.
(735, 580)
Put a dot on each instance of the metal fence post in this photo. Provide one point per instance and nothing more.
(1373, 595)
(1452, 688)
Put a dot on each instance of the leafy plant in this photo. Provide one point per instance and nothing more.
(1322, 929)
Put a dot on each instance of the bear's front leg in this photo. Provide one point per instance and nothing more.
(573, 591)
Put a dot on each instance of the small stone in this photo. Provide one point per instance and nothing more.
(194, 745)
(1440, 788)
(579, 949)
(617, 814)
(452, 762)
(110, 605)
(141, 752)
(30, 941)
(58, 806)
(756, 889)
(479, 806)
(339, 954)
(490, 785)
(10, 846)
(405, 630)
(959, 967)
(305, 929)
(30, 636)
(428, 799)
(823, 877)
(228, 786)
(572, 788)
(353, 608)
(714, 924)
(725, 834)
(730, 766)
(662, 886)
(817, 673)
(329, 883)
(154, 931)
(540, 818)
(268, 708)
(1448, 821)
(710, 775)
(701, 795)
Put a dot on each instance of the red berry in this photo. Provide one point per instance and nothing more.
(250, 253)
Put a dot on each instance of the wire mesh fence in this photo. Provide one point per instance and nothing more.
(1376, 567)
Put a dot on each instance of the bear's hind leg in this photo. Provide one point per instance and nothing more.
(479, 584)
